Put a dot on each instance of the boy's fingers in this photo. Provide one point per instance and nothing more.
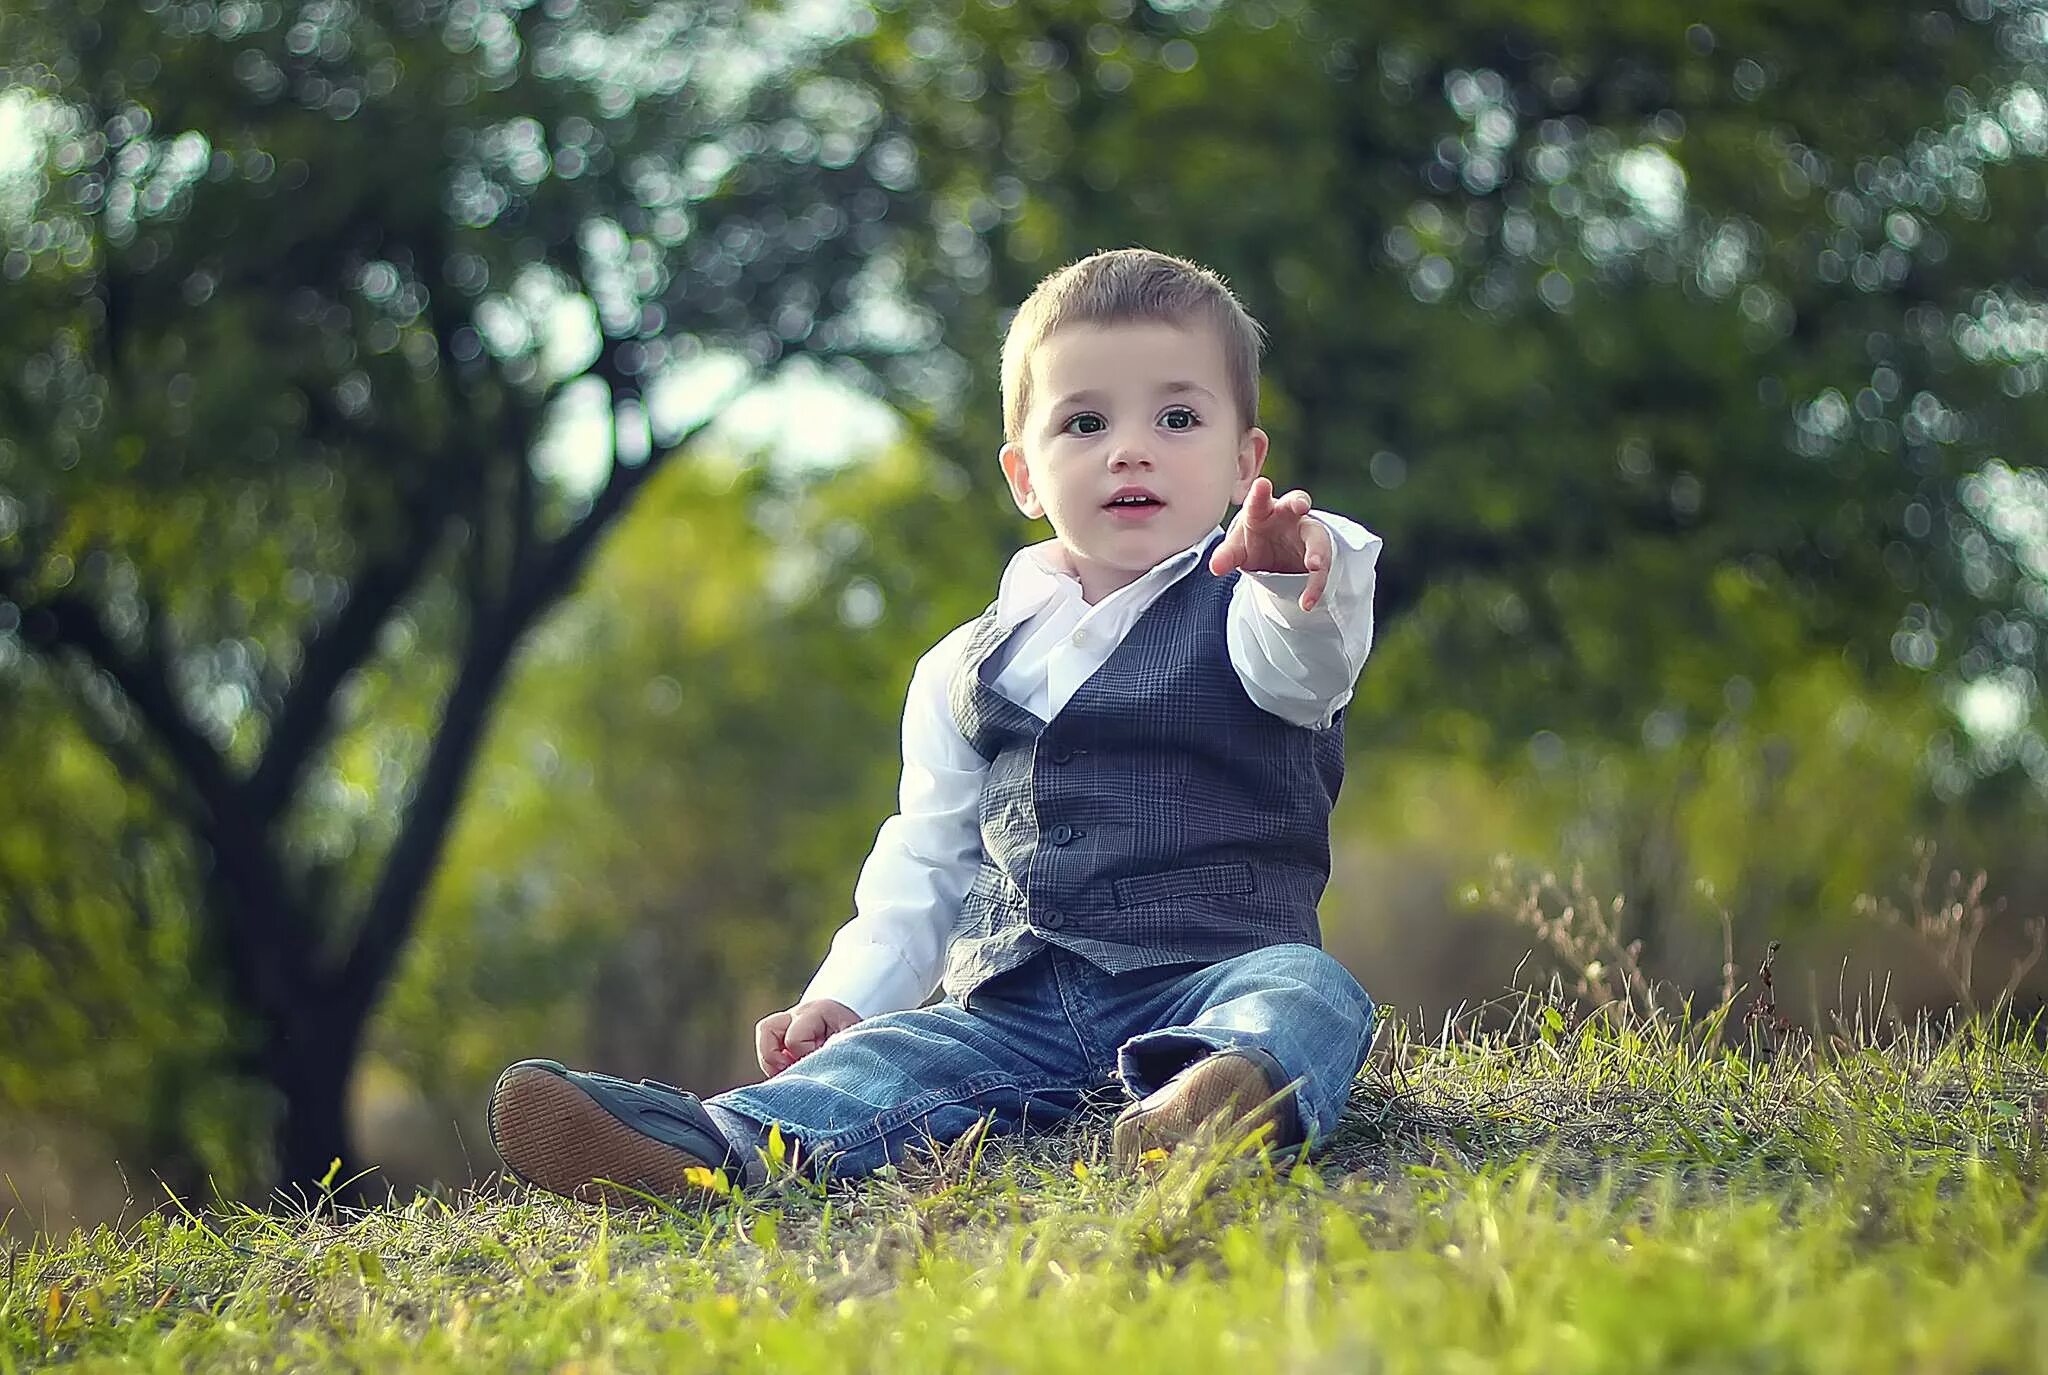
(1313, 593)
(1230, 553)
(1252, 511)
(1317, 554)
(768, 1035)
(813, 1028)
(1258, 503)
(1316, 546)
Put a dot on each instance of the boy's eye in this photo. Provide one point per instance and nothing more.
(1084, 423)
(1181, 414)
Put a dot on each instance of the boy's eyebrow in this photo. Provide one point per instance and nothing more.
(1173, 388)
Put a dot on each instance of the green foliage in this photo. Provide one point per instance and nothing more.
(108, 1015)
(308, 300)
(1602, 316)
(693, 758)
(1684, 362)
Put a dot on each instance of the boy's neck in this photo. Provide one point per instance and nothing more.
(1096, 582)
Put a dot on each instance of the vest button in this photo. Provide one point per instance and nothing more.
(1052, 921)
(1061, 755)
(1061, 834)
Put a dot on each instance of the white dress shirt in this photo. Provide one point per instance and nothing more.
(1299, 665)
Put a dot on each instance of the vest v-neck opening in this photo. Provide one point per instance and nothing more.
(991, 659)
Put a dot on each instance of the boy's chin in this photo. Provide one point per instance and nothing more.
(1105, 566)
(1134, 549)
(1133, 553)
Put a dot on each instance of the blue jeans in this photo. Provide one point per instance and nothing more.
(1029, 1045)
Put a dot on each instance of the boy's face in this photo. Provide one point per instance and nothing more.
(1132, 446)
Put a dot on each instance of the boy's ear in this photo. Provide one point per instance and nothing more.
(1251, 458)
(1018, 473)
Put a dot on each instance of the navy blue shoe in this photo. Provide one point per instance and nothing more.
(601, 1139)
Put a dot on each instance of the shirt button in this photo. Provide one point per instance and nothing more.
(1052, 921)
(1081, 638)
(1061, 835)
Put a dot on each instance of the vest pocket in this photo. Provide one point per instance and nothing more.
(1202, 880)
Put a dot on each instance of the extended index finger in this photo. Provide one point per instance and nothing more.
(1230, 549)
(1258, 502)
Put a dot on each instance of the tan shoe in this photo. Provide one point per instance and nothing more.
(1230, 1091)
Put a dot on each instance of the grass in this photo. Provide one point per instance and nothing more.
(1622, 1192)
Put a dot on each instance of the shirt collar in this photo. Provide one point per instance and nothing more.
(1030, 583)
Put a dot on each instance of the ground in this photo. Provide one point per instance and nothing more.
(1559, 1193)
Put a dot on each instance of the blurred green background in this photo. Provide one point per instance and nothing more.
(475, 476)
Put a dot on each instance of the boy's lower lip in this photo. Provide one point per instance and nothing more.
(1136, 511)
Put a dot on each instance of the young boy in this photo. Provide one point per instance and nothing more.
(1115, 803)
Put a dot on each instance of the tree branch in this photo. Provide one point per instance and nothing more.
(110, 737)
(332, 652)
(265, 952)
(336, 649)
(64, 620)
(394, 904)
(561, 561)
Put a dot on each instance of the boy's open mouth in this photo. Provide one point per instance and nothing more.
(1132, 501)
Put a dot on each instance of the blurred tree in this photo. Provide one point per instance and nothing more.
(340, 334)
(1609, 318)
(641, 918)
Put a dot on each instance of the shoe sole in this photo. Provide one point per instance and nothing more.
(1224, 1089)
(554, 1136)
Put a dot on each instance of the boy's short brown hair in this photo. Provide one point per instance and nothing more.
(1127, 284)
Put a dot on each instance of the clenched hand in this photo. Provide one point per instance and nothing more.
(783, 1038)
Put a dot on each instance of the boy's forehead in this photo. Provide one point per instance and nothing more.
(1079, 357)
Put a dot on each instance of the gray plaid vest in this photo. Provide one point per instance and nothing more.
(1160, 817)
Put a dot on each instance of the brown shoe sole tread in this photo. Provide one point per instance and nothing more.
(1222, 1085)
(554, 1136)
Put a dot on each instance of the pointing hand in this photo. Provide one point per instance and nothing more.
(1277, 535)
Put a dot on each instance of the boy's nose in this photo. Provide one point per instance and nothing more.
(1126, 456)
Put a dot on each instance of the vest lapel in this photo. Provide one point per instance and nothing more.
(974, 699)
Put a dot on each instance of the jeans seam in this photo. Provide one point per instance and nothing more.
(1089, 1063)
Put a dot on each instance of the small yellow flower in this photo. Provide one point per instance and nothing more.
(713, 1180)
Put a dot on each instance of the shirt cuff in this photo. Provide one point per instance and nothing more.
(870, 979)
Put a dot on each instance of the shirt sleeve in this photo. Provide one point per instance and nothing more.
(890, 955)
(1303, 665)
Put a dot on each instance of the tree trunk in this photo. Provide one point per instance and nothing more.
(308, 1063)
